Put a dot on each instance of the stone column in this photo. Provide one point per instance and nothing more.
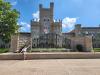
(88, 43)
(30, 43)
(14, 43)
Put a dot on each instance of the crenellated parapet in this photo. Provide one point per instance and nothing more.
(34, 20)
(58, 20)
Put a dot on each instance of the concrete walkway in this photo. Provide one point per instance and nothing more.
(50, 67)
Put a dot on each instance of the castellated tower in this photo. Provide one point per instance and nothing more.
(45, 26)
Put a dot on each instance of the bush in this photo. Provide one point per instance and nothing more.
(79, 47)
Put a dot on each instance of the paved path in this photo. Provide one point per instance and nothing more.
(50, 67)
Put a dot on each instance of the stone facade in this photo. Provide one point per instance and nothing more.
(46, 31)
(88, 31)
(20, 41)
(14, 43)
(86, 42)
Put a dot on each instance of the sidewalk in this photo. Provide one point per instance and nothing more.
(50, 67)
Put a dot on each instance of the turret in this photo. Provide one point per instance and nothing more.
(40, 6)
(78, 26)
(51, 5)
(52, 9)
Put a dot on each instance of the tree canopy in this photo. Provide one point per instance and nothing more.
(8, 20)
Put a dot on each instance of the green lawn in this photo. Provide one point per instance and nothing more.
(48, 49)
(56, 50)
(4, 50)
(97, 49)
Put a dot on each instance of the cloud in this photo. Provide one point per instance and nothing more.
(25, 27)
(36, 15)
(22, 29)
(24, 24)
(68, 23)
(28, 26)
(14, 3)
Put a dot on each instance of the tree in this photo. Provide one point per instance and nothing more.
(8, 21)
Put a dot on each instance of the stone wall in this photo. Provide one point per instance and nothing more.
(93, 31)
(18, 41)
(61, 55)
(11, 56)
(86, 42)
(14, 43)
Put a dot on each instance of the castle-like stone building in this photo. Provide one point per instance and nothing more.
(46, 32)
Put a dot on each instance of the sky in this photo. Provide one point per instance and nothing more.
(71, 12)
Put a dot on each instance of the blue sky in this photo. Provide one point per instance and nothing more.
(85, 12)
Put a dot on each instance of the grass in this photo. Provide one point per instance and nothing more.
(4, 50)
(48, 49)
(96, 49)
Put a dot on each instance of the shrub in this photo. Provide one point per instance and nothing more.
(79, 47)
